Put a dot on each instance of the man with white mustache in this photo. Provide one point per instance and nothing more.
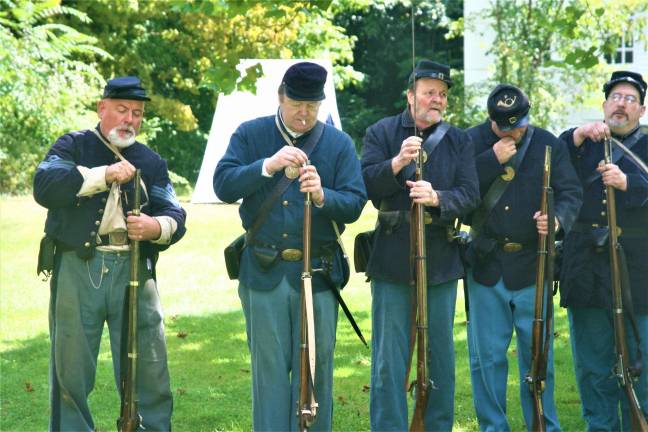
(585, 285)
(86, 183)
(448, 190)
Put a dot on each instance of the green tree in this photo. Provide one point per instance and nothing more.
(550, 47)
(46, 79)
(186, 52)
(383, 53)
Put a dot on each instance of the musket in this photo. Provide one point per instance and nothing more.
(544, 281)
(130, 418)
(420, 386)
(307, 405)
(624, 373)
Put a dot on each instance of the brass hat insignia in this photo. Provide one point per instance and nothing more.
(507, 101)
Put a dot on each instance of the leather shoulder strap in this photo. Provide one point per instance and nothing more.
(283, 184)
(430, 143)
(498, 187)
(617, 153)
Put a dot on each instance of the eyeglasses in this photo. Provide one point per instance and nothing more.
(629, 99)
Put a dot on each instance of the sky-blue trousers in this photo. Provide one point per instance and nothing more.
(391, 314)
(272, 320)
(494, 313)
(592, 338)
(88, 294)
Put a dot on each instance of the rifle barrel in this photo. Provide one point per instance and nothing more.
(130, 418)
(536, 376)
(622, 370)
(306, 405)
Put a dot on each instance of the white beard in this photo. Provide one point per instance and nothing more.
(117, 141)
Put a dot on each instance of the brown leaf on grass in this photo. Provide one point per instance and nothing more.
(182, 334)
(173, 317)
(181, 391)
(245, 370)
(341, 400)
(365, 388)
(28, 387)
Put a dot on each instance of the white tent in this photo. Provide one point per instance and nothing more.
(235, 108)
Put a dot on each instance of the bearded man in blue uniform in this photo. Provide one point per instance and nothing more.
(259, 153)
(585, 283)
(88, 191)
(448, 190)
(510, 155)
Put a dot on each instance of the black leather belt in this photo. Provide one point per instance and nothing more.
(512, 247)
(62, 247)
(585, 227)
(428, 219)
(296, 254)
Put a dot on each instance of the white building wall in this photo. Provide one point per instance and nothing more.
(478, 66)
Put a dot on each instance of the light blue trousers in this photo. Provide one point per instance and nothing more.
(494, 313)
(592, 337)
(89, 294)
(391, 314)
(273, 330)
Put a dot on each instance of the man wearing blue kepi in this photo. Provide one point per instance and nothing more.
(510, 155)
(585, 284)
(262, 158)
(86, 183)
(448, 190)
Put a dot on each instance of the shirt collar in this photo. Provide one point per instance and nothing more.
(286, 128)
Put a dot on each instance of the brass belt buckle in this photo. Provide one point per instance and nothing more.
(512, 247)
(117, 238)
(291, 254)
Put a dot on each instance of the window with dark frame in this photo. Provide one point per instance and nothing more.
(624, 52)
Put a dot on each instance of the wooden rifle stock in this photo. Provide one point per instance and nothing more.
(306, 405)
(544, 281)
(130, 419)
(621, 370)
(420, 386)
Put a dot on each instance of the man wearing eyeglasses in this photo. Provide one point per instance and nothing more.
(585, 279)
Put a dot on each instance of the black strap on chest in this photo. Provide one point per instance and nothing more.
(498, 187)
(429, 145)
(617, 154)
(283, 184)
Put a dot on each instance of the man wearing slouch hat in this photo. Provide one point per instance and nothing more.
(264, 154)
(86, 183)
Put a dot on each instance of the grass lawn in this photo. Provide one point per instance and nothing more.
(205, 330)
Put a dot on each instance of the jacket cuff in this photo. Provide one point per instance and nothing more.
(94, 180)
(168, 227)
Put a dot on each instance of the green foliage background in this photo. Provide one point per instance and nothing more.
(55, 56)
